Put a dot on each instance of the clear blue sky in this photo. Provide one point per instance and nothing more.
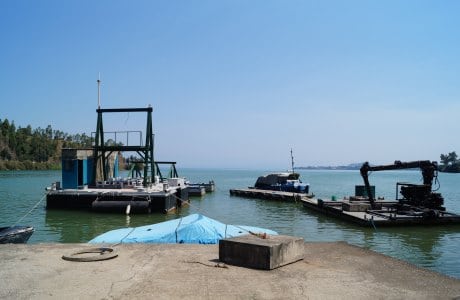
(239, 83)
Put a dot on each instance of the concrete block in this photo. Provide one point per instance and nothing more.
(254, 252)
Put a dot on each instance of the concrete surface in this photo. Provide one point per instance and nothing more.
(141, 271)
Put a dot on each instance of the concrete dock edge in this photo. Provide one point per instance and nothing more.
(153, 271)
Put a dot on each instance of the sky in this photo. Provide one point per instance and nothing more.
(238, 84)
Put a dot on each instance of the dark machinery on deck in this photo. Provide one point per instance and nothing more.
(419, 196)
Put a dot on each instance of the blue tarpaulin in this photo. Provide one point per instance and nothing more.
(193, 229)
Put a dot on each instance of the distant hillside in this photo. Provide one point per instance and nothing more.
(29, 149)
(354, 166)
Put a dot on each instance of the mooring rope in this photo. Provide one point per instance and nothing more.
(260, 235)
(217, 265)
(121, 240)
(34, 207)
(372, 222)
(103, 253)
(178, 225)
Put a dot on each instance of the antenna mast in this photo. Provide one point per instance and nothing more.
(292, 161)
(99, 91)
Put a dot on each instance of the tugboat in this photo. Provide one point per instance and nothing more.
(284, 181)
(15, 234)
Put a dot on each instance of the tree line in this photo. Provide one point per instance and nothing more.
(25, 148)
(450, 163)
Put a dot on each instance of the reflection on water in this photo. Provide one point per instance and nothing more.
(82, 226)
(431, 247)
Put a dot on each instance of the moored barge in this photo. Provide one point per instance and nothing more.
(419, 205)
(90, 177)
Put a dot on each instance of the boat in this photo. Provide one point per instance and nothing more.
(192, 229)
(284, 181)
(15, 234)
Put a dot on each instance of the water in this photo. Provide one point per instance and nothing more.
(434, 248)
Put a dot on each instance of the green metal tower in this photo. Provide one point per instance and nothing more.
(102, 151)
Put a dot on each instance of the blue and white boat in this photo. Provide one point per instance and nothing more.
(193, 229)
(285, 182)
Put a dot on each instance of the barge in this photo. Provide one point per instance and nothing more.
(200, 189)
(359, 212)
(159, 197)
(268, 194)
(419, 205)
(91, 181)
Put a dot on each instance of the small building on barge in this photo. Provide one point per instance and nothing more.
(91, 181)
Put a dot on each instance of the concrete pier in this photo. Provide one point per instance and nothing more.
(142, 271)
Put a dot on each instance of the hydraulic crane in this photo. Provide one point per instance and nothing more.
(414, 195)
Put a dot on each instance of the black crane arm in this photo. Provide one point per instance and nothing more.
(427, 167)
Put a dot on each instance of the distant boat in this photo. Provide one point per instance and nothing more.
(285, 182)
(15, 234)
(193, 229)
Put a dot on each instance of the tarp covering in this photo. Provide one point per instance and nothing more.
(193, 229)
(276, 178)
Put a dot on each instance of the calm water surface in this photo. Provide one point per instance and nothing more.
(435, 248)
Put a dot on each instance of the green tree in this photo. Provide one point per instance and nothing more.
(450, 162)
(22, 146)
(449, 159)
(5, 127)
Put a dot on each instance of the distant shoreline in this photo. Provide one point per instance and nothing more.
(355, 166)
(327, 168)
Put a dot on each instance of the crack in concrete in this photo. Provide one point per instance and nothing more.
(135, 273)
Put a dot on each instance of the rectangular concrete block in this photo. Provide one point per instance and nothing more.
(254, 252)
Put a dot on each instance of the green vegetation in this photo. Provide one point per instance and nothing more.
(450, 163)
(35, 149)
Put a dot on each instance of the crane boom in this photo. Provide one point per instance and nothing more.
(415, 193)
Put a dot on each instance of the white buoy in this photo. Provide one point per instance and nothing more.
(128, 209)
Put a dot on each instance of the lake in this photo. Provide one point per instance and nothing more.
(434, 248)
